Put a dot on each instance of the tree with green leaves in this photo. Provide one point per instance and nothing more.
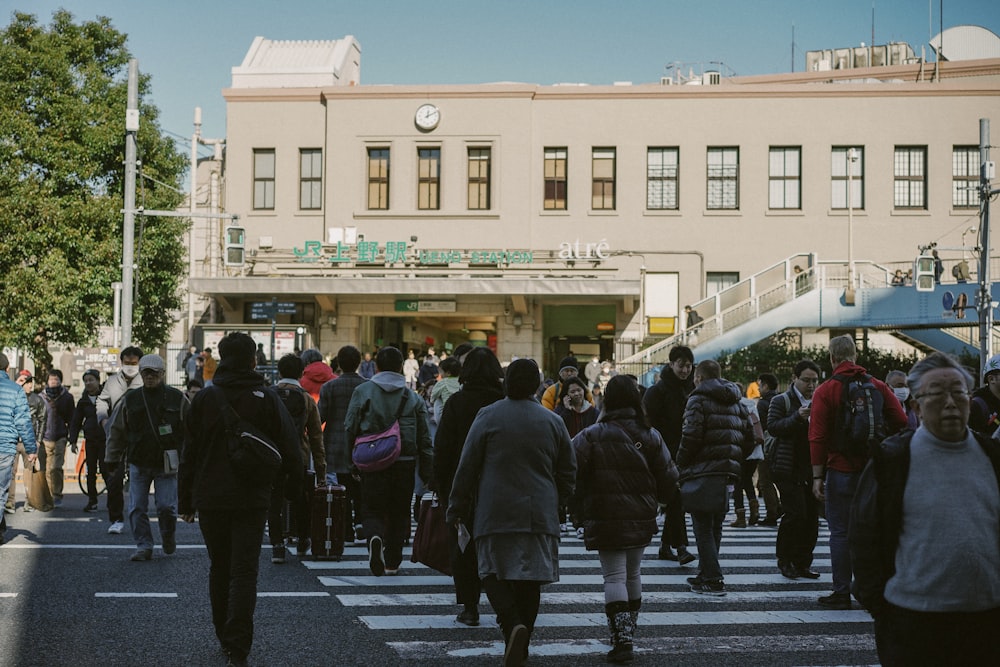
(63, 94)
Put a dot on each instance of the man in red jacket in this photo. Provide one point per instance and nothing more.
(835, 473)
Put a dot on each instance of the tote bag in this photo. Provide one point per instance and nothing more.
(38, 494)
(430, 543)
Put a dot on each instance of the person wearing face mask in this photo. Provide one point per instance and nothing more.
(897, 382)
(114, 389)
(59, 413)
(984, 412)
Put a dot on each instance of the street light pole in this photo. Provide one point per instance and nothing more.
(852, 157)
(985, 300)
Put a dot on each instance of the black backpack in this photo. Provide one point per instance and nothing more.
(295, 402)
(860, 423)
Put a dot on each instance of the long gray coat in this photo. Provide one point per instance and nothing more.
(517, 466)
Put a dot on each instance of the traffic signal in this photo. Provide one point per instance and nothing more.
(235, 246)
(923, 273)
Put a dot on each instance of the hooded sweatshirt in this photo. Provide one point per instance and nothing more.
(373, 409)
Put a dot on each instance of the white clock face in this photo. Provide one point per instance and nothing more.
(428, 116)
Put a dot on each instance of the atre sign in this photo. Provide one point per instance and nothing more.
(586, 251)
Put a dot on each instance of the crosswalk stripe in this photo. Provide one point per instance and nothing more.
(568, 564)
(647, 619)
(652, 646)
(579, 597)
(566, 580)
(579, 550)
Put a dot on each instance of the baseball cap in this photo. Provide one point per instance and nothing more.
(151, 362)
(992, 366)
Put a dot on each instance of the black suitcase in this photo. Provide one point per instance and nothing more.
(329, 506)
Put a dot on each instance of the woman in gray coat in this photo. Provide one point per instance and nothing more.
(516, 468)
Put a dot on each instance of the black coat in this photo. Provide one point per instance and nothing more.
(456, 418)
(717, 433)
(85, 418)
(791, 456)
(624, 471)
(664, 403)
(205, 478)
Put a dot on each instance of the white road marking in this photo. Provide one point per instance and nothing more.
(292, 594)
(33, 545)
(580, 597)
(570, 564)
(567, 580)
(135, 595)
(599, 620)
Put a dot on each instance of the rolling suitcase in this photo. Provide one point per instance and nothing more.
(329, 504)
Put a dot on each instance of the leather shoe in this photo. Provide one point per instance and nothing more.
(788, 570)
(666, 553)
(806, 572)
(142, 554)
(684, 556)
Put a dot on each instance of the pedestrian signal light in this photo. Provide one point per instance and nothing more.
(235, 246)
(923, 273)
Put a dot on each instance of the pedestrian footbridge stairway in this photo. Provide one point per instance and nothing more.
(765, 619)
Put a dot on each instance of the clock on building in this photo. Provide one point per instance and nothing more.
(427, 117)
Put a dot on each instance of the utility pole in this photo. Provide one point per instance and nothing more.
(985, 299)
(128, 227)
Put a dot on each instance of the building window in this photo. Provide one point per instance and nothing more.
(965, 177)
(716, 281)
(603, 187)
(838, 183)
(909, 172)
(378, 179)
(662, 165)
(263, 179)
(723, 178)
(785, 178)
(310, 178)
(428, 179)
(555, 179)
(479, 179)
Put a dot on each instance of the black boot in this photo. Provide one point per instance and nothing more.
(622, 631)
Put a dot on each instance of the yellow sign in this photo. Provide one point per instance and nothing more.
(661, 326)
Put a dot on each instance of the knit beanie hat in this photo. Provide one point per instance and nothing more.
(522, 379)
(569, 362)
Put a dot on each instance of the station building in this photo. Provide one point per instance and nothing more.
(539, 219)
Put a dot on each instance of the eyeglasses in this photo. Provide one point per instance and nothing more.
(957, 395)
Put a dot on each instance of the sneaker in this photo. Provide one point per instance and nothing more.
(142, 554)
(27, 508)
(391, 571)
(695, 581)
(836, 601)
(169, 544)
(714, 588)
(376, 562)
(579, 533)
(277, 554)
(9, 509)
(57, 503)
(116, 528)
(91, 507)
(684, 556)
(470, 618)
(302, 547)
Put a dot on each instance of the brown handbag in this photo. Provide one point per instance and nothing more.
(430, 542)
(37, 486)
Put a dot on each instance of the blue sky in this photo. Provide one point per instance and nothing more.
(189, 47)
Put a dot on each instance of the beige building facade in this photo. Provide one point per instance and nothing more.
(543, 219)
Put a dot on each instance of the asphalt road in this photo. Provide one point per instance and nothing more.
(70, 596)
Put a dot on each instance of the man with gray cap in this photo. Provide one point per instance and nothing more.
(984, 413)
(15, 422)
(149, 431)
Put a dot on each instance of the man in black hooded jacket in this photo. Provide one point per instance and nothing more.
(231, 509)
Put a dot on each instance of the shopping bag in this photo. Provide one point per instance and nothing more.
(38, 492)
(430, 543)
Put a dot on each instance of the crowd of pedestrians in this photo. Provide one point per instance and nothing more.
(905, 471)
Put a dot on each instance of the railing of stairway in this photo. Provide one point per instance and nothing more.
(748, 299)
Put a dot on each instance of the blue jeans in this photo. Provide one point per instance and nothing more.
(840, 488)
(6, 475)
(708, 536)
(165, 494)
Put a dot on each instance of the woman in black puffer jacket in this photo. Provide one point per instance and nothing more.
(624, 471)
